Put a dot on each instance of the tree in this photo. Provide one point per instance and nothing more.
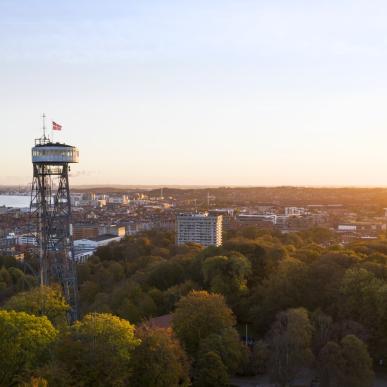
(174, 294)
(319, 235)
(35, 382)
(290, 341)
(330, 364)
(41, 301)
(12, 278)
(159, 360)
(227, 345)
(227, 275)
(211, 371)
(357, 370)
(363, 296)
(166, 274)
(322, 329)
(347, 364)
(250, 232)
(260, 357)
(25, 341)
(97, 351)
(198, 315)
(254, 360)
(284, 288)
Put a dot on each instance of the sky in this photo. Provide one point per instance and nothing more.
(178, 92)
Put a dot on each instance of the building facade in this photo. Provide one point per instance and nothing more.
(94, 243)
(202, 228)
(85, 231)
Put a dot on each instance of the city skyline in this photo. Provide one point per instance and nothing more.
(247, 93)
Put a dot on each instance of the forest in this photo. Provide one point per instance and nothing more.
(304, 300)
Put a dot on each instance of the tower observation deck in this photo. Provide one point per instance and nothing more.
(51, 208)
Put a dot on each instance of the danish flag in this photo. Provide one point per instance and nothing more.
(56, 126)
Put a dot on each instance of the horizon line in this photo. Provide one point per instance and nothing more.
(204, 186)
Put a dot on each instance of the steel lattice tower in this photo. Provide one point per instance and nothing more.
(51, 207)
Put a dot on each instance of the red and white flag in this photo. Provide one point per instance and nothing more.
(56, 126)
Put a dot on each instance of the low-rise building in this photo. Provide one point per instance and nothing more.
(27, 240)
(112, 229)
(85, 231)
(257, 220)
(295, 211)
(94, 243)
(360, 230)
(81, 256)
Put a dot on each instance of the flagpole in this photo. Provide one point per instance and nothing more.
(44, 125)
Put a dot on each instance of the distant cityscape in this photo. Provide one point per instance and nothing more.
(99, 218)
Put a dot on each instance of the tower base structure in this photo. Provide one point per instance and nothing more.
(51, 207)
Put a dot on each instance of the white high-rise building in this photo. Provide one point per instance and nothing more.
(199, 228)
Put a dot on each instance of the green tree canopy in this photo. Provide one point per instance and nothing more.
(285, 288)
(159, 360)
(290, 342)
(357, 370)
(198, 315)
(25, 341)
(41, 301)
(330, 364)
(211, 371)
(347, 364)
(227, 345)
(96, 351)
(227, 274)
(364, 297)
(165, 274)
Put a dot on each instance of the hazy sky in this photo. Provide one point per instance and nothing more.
(198, 92)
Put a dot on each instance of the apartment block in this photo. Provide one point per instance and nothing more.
(204, 229)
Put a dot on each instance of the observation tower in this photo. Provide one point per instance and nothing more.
(51, 208)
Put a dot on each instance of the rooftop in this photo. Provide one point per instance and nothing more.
(50, 144)
(104, 237)
(198, 215)
(164, 321)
